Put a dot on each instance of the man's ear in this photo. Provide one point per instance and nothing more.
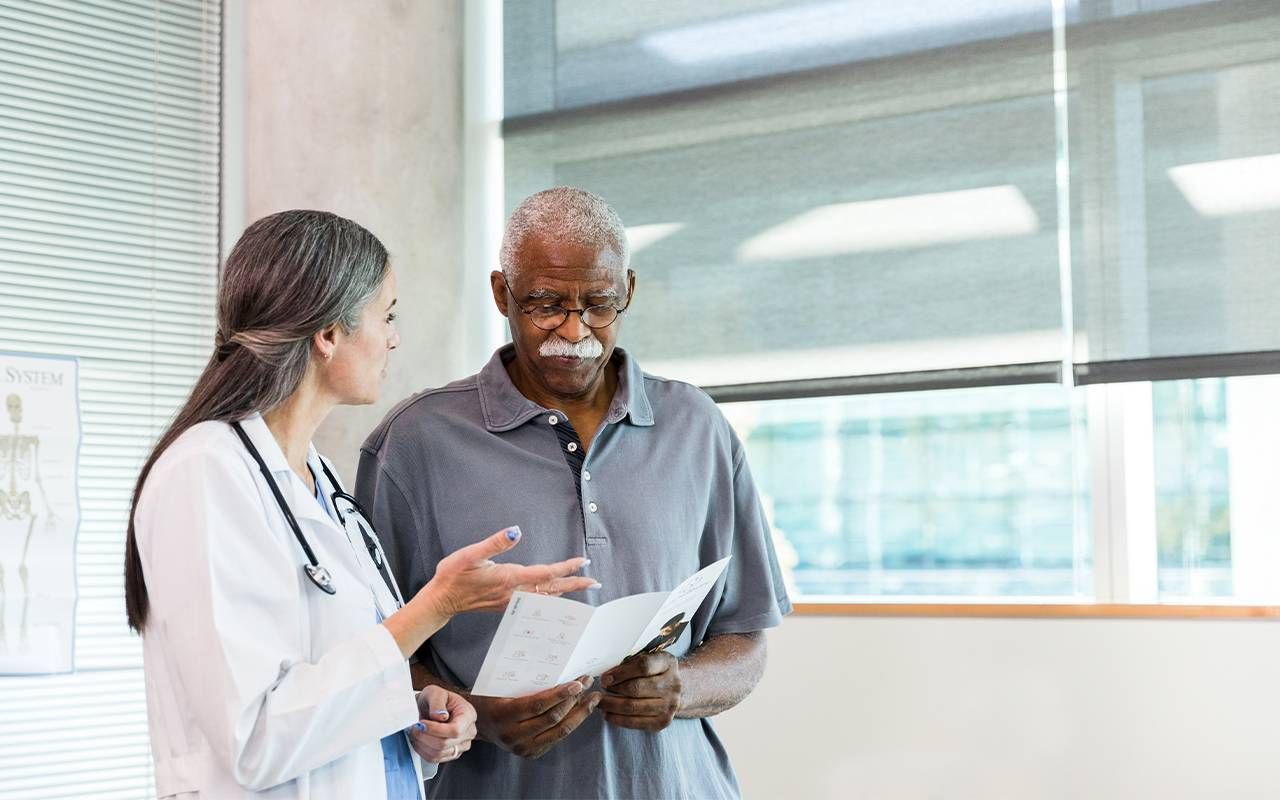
(631, 286)
(499, 288)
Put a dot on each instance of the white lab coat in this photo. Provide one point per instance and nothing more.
(258, 683)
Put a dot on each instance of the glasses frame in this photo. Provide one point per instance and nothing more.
(565, 312)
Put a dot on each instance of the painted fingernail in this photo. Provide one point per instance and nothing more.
(419, 727)
(513, 533)
(440, 715)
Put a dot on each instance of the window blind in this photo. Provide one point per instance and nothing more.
(109, 190)
(865, 188)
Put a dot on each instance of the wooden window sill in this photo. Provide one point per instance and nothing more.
(1036, 610)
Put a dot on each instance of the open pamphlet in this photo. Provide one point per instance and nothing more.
(544, 641)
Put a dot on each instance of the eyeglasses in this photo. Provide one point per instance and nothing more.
(548, 317)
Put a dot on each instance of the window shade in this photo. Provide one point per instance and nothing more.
(109, 145)
(866, 188)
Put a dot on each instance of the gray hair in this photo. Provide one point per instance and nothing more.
(564, 213)
(290, 276)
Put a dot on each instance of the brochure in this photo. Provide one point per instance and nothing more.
(544, 641)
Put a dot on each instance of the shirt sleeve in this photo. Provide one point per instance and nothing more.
(754, 595)
(227, 602)
(399, 527)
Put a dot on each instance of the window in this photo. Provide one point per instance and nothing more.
(980, 285)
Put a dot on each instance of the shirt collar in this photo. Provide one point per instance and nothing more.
(505, 408)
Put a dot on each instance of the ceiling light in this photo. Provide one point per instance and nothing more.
(1230, 186)
(896, 223)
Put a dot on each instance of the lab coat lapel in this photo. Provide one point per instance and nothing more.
(291, 486)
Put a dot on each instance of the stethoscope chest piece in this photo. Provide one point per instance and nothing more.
(320, 577)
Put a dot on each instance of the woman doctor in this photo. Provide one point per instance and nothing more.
(274, 641)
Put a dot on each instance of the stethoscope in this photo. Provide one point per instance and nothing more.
(318, 574)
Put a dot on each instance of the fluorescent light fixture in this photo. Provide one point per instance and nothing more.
(1230, 186)
(641, 236)
(896, 223)
(872, 26)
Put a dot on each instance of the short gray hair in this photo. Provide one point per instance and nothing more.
(564, 213)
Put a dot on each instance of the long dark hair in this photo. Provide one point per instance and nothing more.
(290, 275)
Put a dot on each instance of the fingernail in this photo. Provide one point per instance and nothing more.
(513, 533)
(419, 727)
(586, 562)
(441, 714)
(596, 585)
(575, 689)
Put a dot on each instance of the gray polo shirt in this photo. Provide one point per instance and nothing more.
(664, 491)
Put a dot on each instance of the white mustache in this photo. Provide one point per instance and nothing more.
(589, 347)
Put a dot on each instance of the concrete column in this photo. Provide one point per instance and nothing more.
(356, 108)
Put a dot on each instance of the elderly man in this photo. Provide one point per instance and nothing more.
(562, 434)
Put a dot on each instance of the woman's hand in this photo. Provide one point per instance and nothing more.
(468, 580)
(447, 728)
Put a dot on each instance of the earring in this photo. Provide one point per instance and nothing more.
(328, 356)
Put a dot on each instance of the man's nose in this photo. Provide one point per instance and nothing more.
(573, 329)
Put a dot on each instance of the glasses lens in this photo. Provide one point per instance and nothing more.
(548, 317)
(599, 316)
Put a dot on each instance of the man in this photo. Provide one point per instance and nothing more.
(563, 435)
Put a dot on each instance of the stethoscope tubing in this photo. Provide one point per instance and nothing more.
(315, 572)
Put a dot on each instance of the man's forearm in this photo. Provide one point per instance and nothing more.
(719, 673)
(422, 677)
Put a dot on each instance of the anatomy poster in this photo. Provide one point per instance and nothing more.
(39, 512)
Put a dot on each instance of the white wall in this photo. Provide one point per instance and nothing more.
(972, 708)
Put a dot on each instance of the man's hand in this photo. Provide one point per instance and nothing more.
(447, 726)
(530, 726)
(642, 692)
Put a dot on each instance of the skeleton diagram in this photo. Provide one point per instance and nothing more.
(19, 476)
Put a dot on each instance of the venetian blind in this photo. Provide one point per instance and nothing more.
(109, 146)
(919, 193)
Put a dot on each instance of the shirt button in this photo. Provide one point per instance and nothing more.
(586, 474)
(553, 419)
(593, 507)
(572, 447)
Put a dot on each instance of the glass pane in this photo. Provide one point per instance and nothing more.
(1175, 165)
(1217, 452)
(973, 493)
(572, 53)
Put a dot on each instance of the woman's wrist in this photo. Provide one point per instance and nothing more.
(416, 622)
(430, 609)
